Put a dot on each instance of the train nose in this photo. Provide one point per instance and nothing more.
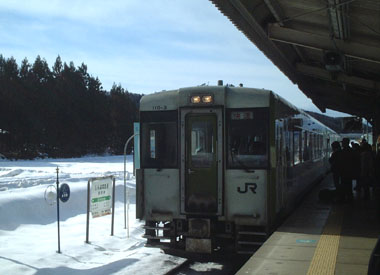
(202, 203)
(198, 239)
(199, 228)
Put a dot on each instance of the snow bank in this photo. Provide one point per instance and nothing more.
(28, 227)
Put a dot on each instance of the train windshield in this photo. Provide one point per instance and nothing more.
(248, 138)
(159, 139)
(202, 143)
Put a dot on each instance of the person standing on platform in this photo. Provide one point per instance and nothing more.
(357, 149)
(347, 170)
(376, 187)
(367, 168)
(334, 159)
(377, 163)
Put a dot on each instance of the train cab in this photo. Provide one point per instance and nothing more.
(215, 166)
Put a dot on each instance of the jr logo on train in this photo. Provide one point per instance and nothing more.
(220, 166)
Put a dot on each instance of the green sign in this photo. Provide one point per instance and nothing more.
(100, 199)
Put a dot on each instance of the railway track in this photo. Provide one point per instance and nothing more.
(223, 266)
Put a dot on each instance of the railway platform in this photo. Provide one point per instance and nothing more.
(320, 238)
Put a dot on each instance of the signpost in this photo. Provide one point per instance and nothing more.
(126, 193)
(63, 194)
(59, 236)
(100, 200)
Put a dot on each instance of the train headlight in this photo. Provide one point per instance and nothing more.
(195, 99)
(207, 99)
(202, 99)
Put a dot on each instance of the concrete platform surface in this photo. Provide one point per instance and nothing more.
(320, 238)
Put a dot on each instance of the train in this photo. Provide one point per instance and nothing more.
(221, 166)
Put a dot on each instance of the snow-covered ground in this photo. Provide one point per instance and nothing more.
(28, 224)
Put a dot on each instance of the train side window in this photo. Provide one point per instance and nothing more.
(247, 138)
(306, 147)
(320, 153)
(296, 147)
(159, 139)
(152, 146)
(327, 147)
(312, 146)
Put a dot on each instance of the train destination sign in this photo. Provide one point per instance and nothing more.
(101, 197)
(241, 115)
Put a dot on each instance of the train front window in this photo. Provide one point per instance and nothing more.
(248, 138)
(159, 139)
(202, 143)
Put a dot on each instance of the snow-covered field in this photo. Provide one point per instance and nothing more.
(28, 224)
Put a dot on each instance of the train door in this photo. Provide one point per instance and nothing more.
(201, 161)
(280, 166)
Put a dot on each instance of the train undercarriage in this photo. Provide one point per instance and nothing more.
(204, 235)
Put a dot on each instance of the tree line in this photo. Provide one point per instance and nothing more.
(61, 112)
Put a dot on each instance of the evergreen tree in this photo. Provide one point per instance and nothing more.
(57, 67)
(40, 70)
(62, 112)
(25, 69)
(11, 69)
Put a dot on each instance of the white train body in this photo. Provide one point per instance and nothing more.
(220, 166)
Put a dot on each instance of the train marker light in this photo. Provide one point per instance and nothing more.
(195, 99)
(207, 99)
(202, 99)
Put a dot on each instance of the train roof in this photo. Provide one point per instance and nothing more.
(230, 97)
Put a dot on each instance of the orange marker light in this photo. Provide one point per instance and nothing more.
(207, 99)
(195, 99)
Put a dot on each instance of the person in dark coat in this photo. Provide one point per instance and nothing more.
(367, 168)
(347, 169)
(377, 180)
(357, 149)
(377, 165)
(336, 149)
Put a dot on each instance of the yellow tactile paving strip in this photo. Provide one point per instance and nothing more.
(324, 259)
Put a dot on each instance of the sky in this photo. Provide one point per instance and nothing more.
(146, 46)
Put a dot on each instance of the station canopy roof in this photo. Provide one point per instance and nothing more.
(329, 48)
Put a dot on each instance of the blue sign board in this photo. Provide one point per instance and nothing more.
(64, 192)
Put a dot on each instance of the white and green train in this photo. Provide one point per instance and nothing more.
(221, 166)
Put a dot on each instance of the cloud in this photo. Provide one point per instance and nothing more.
(146, 46)
(85, 11)
(120, 13)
